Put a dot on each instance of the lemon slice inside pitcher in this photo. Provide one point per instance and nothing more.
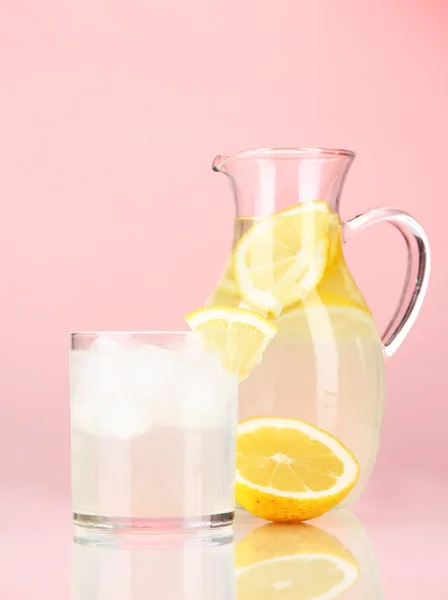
(282, 257)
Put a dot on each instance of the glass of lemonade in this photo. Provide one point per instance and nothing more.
(153, 427)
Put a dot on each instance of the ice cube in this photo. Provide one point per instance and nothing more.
(150, 378)
(152, 368)
(108, 344)
(118, 419)
(124, 391)
(104, 397)
(188, 345)
(204, 394)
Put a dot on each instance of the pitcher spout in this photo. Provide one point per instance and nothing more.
(218, 163)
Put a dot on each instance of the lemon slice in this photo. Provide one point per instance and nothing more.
(288, 562)
(283, 256)
(247, 335)
(289, 470)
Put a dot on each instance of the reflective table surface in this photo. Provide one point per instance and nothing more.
(382, 549)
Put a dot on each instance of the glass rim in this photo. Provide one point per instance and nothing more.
(284, 153)
(294, 150)
(145, 332)
(177, 332)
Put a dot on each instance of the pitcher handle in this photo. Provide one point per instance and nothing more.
(417, 274)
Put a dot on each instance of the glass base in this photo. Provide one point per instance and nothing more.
(149, 525)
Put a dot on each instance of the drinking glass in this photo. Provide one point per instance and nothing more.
(153, 427)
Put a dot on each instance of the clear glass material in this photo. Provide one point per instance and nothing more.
(153, 425)
(169, 567)
(267, 561)
(326, 363)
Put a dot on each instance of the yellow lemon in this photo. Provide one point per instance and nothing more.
(247, 335)
(289, 470)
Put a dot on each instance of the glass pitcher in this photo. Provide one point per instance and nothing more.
(326, 363)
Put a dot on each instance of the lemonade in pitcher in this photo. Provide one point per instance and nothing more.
(325, 364)
(311, 394)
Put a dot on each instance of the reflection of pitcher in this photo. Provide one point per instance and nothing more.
(279, 561)
(326, 363)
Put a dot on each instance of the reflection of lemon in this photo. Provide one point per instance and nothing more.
(289, 470)
(241, 335)
(292, 562)
(283, 257)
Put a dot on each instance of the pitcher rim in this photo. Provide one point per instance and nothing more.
(292, 150)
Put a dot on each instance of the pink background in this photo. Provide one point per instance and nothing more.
(111, 217)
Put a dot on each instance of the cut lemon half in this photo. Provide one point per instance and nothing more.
(289, 470)
(247, 335)
(289, 562)
(283, 257)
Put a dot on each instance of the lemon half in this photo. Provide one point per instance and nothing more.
(289, 470)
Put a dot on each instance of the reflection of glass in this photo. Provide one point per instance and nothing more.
(153, 425)
(165, 567)
(325, 365)
(306, 562)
